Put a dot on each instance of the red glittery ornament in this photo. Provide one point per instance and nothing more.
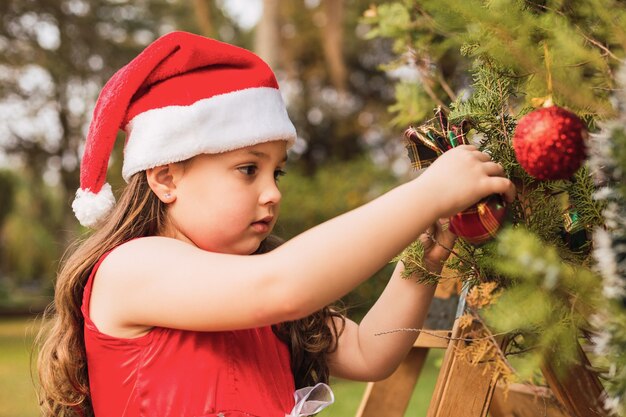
(550, 143)
(480, 222)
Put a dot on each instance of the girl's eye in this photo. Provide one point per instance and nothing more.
(279, 173)
(249, 170)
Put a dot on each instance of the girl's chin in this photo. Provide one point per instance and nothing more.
(248, 245)
(248, 249)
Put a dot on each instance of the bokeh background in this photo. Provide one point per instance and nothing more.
(55, 55)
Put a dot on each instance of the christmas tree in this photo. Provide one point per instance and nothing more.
(539, 85)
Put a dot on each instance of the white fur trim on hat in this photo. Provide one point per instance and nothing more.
(218, 124)
(90, 208)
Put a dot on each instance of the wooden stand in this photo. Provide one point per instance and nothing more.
(464, 390)
(391, 396)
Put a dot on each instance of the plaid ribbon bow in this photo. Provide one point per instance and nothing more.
(478, 223)
(426, 142)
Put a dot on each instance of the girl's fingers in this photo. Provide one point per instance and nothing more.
(425, 238)
(482, 156)
(504, 186)
(445, 236)
(493, 169)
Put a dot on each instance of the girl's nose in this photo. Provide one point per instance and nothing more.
(270, 194)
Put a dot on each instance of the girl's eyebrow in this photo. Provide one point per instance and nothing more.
(263, 155)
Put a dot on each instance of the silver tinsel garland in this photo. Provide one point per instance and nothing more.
(607, 151)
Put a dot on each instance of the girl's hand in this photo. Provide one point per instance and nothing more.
(461, 177)
(437, 241)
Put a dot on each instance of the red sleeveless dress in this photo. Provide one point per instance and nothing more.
(180, 373)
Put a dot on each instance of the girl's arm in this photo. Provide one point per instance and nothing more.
(165, 282)
(362, 355)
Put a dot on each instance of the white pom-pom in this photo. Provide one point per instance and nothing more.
(90, 208)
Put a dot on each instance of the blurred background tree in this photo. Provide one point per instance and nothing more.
(56, 55)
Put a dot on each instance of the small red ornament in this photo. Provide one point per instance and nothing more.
(550, 143)
(480, 222)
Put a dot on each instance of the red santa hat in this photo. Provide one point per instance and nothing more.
(184, 95)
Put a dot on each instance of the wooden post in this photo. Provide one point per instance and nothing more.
(390, 397)
(462, 389)
(579, 389)
(525, 401)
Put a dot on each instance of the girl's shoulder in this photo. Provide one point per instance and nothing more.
(150, 243)
(124, 273)
(135, 254)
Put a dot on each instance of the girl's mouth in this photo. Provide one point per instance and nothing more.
(263, 225)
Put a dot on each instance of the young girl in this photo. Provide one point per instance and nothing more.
(161, 312)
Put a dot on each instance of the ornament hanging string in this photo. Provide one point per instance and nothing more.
(549, 142)
(545, 101)
(546, 57)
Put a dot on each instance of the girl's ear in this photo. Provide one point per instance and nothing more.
(162, 180)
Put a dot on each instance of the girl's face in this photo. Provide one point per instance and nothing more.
(229, 202)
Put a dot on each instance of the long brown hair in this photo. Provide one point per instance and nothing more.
(62, 363)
